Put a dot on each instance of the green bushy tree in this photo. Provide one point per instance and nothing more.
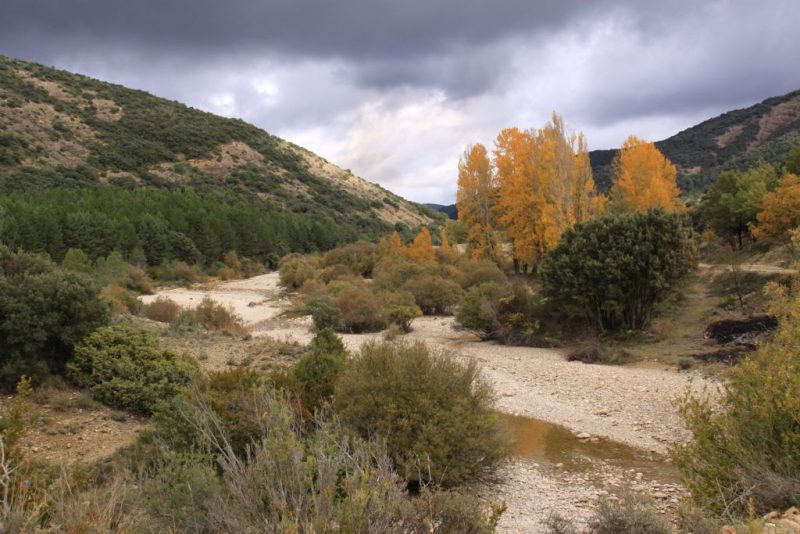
(734, 199)
(435, 413)
(613, 270)
(44, 312)
(124, 368)
(318, 370)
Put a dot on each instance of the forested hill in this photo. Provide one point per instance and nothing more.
(59, 129)
(735, 140)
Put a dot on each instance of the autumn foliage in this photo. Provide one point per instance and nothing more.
(537, 185)
(780, 211)
(644, 178)
(421, 250)
(475, 201)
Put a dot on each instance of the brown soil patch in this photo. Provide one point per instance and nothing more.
(730, 135)
(52, 88)
(62, 136)
(778, 116)
(106, 109)
(65, 426)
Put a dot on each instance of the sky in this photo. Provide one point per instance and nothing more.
(395, 91)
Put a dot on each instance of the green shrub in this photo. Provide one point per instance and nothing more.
(475, 272)
(613, 270)
(745, 446)
(44, 312)
(124, 368)
(479, 311)
(359, 257)
(324, 312)
(391, 273)
(361, 310)
(318, 370)
(400, 309)
(433, 294)
(181, 493)
(434, 413)
(307, 478)
(163, 310)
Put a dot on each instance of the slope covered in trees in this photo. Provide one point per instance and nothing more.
(736, 140)
(62, 130)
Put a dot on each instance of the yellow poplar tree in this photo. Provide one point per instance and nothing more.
(392, 245)
(545, 186)
(643, 178)
(780, 212)
(475, 201)
(421, 250)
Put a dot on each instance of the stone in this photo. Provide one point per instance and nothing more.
(583, 435)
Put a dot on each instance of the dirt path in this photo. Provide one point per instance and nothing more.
(630, 404)
(748, 268)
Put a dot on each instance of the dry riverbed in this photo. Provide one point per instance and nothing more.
(604, 405)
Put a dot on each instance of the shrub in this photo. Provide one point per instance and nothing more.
(635, 514)
(392, 272)
(512, 315)
(318, 370)
(44, 312)
(745, 446)
(121, 300)
(595, 353)
(306, 479)
(163, 310)
(361, 310)
(180, 271)
(336, 272)
(615, 269)
(479, 311)
(296, 269)
(359, 257)
(324, 312)
(434, 413)
(433, 294)
(400, 309)
(475, 272)
(214, 316)
(124, 368)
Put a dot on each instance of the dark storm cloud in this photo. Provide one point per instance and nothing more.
(342, 28)
(396, 89)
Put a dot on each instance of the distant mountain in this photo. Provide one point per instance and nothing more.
(735, 140)
(59, 129)
(451, 211)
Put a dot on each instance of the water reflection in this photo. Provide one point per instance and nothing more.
(555, 446)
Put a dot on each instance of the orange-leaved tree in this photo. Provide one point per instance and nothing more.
(421, 250)
(475, 201)
(643, 178)
(780, 212)
(392, 245)
(545, 187)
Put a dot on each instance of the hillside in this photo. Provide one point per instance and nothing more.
(451, 210)
(59, 129)
(734, 140)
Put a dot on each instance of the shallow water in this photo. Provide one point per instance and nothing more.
(557, 447)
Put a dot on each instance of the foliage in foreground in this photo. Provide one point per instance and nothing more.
(615, 269)
(44, 312)
(633, 515)
(124, 368)
(745, 448)
(318, 479)
(434, 412)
